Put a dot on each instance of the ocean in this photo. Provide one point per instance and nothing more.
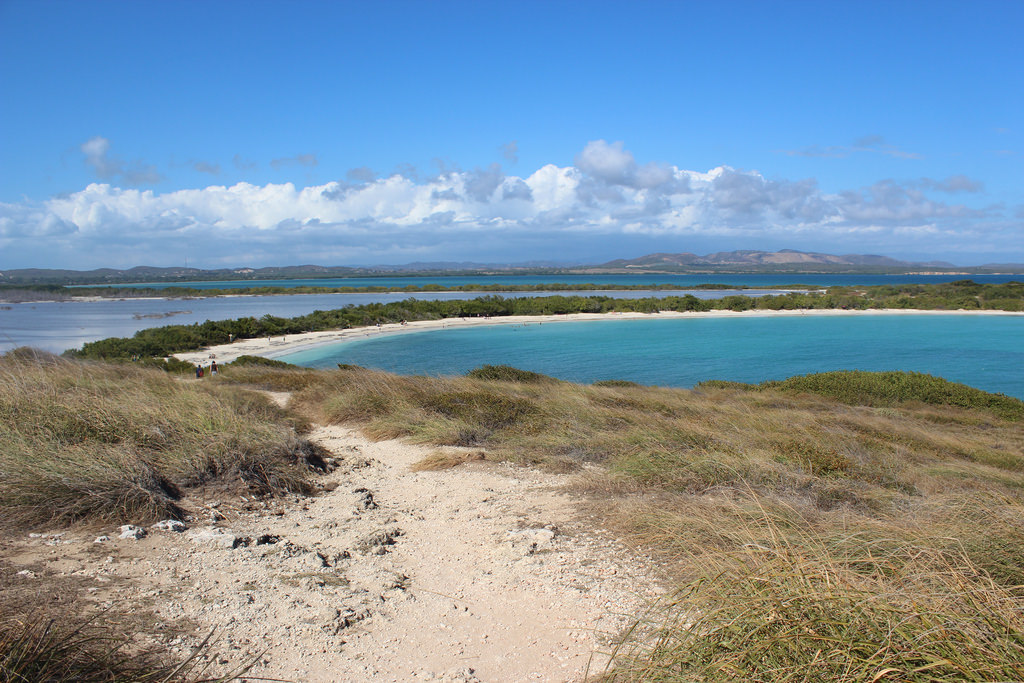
(986, 352)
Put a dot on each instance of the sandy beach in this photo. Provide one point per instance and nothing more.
(272, 347)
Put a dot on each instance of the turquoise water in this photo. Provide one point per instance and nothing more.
(735, 280)
(983, 351)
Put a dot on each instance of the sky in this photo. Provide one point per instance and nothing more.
(231, 134)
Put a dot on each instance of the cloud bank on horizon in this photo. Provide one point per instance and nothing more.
(605, 205)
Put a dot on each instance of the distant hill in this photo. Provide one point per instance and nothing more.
(144, 274)
(771, 258)
(741, 261)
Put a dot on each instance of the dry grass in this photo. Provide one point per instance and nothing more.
(775, 608)
(48, 632)
(92, 441)
(445, 460)
(55, 651)
(800, 447)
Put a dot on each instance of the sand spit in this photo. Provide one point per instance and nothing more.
(272, 347)
(484, 572)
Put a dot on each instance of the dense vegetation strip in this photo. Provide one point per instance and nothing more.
(164, 341)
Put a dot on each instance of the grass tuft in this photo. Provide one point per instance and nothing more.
(120, 443)
(778, 611)
(443, 460)
(55, 651)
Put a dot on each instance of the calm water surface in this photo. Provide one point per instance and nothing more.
(984, 351)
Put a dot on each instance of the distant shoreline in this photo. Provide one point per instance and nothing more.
(654, 292)
(273, 347)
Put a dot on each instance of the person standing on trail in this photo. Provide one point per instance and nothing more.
(199, 371)
(213, 368)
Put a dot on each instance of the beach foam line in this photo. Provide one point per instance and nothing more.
(273, 347)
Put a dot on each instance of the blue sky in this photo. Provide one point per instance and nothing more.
(257, 133)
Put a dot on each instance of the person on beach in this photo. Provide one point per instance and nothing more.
(199, 371)
(213, 368)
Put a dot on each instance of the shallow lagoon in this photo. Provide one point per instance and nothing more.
(983, 351)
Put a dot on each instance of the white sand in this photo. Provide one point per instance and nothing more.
(271, 347)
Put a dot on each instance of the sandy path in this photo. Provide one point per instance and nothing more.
(483, 572)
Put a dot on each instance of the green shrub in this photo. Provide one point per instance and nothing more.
(490, 410)
(615, 383)
(507, 373)
(258, 361)
(724, 384)
(856, 387)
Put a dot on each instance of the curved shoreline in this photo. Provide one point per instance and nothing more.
(272, 347)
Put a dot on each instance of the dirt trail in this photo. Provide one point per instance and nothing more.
(483, 572)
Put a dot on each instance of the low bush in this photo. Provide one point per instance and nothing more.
(507, 373)
(857, 387)
(258, 361)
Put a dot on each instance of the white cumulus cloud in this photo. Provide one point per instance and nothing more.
(605, 197)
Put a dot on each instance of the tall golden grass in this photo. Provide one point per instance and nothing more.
(118, 443)
(793, 612)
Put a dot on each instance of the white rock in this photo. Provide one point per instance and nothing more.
(169, 525)
(102, 539)
(132, 531)
(217, 537)
(533, 539)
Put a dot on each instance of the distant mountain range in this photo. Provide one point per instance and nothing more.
(143, 274)
(787, 257)
(742, 261)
